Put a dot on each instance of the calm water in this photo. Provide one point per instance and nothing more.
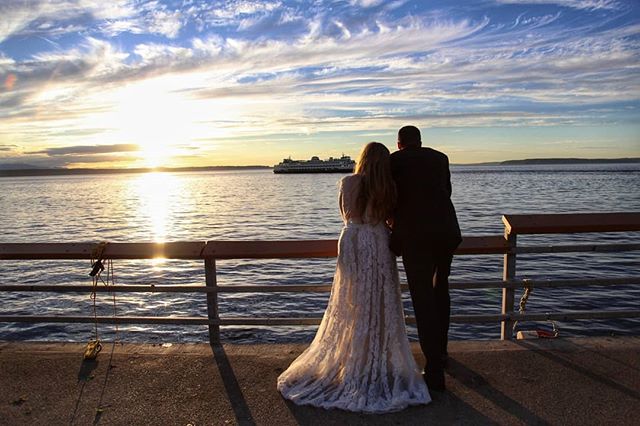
(246, 205)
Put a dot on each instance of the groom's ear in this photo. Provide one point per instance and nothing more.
(399, 146)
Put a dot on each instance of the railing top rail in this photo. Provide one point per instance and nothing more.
(270, 249)
(173, 250)
(571, 223)
(214, 249)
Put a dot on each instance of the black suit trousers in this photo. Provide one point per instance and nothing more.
(428, 278)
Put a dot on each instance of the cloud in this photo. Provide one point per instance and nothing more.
(88, 149)
(575, 4)
(56, 16)
(79, 160)
(165, 22)
(366, 3)
(241, 14)
(368, 72)
(250, 68)
(237, 8)
(149, 18)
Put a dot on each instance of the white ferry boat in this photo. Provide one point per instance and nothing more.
(343, 164)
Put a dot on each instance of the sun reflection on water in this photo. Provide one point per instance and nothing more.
(155, 192)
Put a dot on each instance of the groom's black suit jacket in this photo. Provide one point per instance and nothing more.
(424, 216)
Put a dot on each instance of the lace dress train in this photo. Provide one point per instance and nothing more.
(360, 359)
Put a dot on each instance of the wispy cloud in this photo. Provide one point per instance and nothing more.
(211, 71)
(88, 149)
(575, 4)
(366, 3)
(57, 16)
(148, 18)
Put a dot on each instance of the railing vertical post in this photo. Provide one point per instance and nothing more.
(212, 299)
(508, 294)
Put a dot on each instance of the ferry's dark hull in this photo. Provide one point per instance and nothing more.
(306, 171)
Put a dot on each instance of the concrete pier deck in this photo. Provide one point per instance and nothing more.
(592, 381)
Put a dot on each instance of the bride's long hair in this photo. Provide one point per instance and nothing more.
(377, 194)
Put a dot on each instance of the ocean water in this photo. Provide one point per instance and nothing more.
(259, 205)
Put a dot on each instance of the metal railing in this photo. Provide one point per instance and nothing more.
(211, 251)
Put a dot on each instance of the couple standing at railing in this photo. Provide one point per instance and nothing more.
(360, 359)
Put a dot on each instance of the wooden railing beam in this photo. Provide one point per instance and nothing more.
(569, 223)
(578, 248)
(36, 251)
(291, 249)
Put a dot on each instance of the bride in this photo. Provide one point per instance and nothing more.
(360, 358)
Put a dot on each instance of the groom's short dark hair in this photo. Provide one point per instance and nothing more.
(409, 136)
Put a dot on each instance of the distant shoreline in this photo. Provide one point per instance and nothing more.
(553, 161)
(68, 172)
(34, 171)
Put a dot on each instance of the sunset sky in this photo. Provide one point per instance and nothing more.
(92, 83)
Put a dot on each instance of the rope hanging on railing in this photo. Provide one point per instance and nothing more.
(97, 267)
(528, 288)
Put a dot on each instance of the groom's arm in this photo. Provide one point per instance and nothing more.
(447, 175)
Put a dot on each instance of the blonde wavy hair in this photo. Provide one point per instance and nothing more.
(377, 194)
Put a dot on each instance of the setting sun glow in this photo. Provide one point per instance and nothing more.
(156, 121)
(151, 84)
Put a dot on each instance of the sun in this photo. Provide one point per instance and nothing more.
(172, 126)
(159, 122)
(156, 154)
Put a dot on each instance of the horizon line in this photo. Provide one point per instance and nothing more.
(35, 170)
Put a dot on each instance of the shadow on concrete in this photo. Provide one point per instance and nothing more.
(232, 387)
(85, 374)
(579, 369)
(601, 355)
(445, 408)
(477, 383)
(87, 367)
(101, 405)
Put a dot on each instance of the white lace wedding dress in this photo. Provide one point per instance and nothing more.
(360, 358)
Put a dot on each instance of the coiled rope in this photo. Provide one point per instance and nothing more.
(97, 267)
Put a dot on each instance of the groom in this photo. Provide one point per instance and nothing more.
(426, 233)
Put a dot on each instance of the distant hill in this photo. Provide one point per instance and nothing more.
(35, 171)
(535, 161)
(18, 166)
(569, 161)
